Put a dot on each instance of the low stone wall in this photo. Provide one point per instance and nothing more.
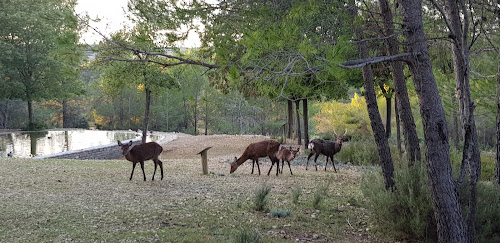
(111, 151)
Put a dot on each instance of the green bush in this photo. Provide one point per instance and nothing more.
(319, 196)
(406, 211)
(359, 152)
(35, 126)
(247, 235)
(260, 198)
(487, 164)
(296, 192)
(280, 213)
(488, 209)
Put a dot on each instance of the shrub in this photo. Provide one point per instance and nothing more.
(247, 235)
(487, 164)
(406, 211)
(260, 198)
(280, 213)
(319, 196)
(359, 152)
(35, 126)
(296, 192)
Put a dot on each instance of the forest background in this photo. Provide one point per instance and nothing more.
(265, 67)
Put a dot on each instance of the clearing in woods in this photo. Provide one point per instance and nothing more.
(82, 201)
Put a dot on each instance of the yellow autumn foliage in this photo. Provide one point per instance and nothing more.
(338, 116)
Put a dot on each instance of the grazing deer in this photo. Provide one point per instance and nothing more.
(328, 148)
(284, 154)
(140, 153)
(254, 151)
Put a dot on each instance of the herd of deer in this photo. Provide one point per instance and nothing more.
(267, 148)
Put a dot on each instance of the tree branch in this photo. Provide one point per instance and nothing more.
(353, 64)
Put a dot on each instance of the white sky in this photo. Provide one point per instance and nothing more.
(113, 18)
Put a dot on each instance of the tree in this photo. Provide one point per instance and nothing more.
(33, 38)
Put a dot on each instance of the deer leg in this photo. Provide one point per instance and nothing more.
(316, 163)
(333, 163)
(308, 157)
(289, 167)
(253, 165)
(154, 173)
(142, 167)
(272, 164)
(133, 167)
(258, 166)
(277, 166)
(161, 168)
(282, 164)
(326, 164)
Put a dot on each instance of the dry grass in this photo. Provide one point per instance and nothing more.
(87, 201)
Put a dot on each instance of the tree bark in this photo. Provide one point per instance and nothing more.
(447, 210)
(65, 114)
(377, 125)
(497, 167)
(299, 132)
(306, 122)
(30, 112)
(146, 115)
(290, 118)
(398, 127)
(412, 144)
(461, 65)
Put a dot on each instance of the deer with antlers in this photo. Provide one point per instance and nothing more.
(328, 148)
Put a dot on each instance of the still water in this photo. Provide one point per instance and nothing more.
(31, 144)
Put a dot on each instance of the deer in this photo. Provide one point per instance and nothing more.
(257, 150)
(140, 153)
(328, 148)
(284, 154)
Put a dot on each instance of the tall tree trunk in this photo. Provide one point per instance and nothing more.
(388, 106)
(377, 125)
(206, 114)
(30, 112)
(290, 118)
(306, 122)
(146, 115)
(447, 210)
(456, 130)
(497, 167)
(299, 132)
(412, 145)
(471, 156)
(398, 127)
(65, 114)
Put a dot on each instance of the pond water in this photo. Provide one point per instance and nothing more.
(31, 144)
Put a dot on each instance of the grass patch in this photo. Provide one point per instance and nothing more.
(279, 213)
(260, 198)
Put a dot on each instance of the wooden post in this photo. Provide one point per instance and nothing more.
(204, 161)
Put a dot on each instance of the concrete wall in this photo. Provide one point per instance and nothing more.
(111, 151)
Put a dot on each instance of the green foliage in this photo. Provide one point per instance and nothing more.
(279, 213)
(404, 212)
(319, 196)
(487, 164)
(260, 197)
(359, 151)
(35, 126)
(488, 212)
(247, 235)
(296, 193)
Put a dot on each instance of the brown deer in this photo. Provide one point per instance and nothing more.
(328, 148)
(257, 150)
(140, 153)
(284, 154)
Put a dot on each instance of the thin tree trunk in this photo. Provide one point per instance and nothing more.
(146, 115)
(65, 114)
(497, 167)
(206, 114)
(377, 125)
(398, 127)
(30, 112)
(290, 118)
(299, 132)
(306, 122)
(447, 210)
(412, 145)
(456, 130)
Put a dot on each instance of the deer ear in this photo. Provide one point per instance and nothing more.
(119, 143)
(130, 143)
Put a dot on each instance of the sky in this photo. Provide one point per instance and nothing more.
(113, 17)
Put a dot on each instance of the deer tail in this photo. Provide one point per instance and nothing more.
(310, 146)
